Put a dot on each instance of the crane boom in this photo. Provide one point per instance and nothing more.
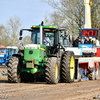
(87, 15)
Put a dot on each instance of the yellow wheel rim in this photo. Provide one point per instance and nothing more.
(56, 71)
(18, 75)
(72, 67)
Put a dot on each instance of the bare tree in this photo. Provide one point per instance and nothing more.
(72, 13)
(95, 13)
(13, 26)
(55, 19)
(4, 36)
(27, 40)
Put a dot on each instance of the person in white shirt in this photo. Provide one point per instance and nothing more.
(46, 40)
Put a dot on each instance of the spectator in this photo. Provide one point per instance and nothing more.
(97, 42)
(87, 41)
(76, 42)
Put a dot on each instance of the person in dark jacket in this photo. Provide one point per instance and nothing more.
(87, 41)
(76, 42)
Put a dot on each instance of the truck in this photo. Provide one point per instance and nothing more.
(6, 53)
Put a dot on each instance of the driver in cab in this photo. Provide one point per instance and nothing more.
(46, 40)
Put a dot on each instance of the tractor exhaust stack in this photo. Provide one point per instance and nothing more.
(41, 32)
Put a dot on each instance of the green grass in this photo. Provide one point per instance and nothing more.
(3, 66)
(3, 76)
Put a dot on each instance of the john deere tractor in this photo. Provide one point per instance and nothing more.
(52, 61)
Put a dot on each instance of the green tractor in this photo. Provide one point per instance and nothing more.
(51, 61)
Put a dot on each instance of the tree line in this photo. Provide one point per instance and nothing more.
(9, 33)
(69, 14)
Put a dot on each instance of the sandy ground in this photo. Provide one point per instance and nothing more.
(3, 69)
(84, 90)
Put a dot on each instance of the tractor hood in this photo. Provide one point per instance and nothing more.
(34, 52)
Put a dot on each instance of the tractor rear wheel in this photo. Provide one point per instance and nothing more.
(13, 76)
(68, 67)
(52, 71)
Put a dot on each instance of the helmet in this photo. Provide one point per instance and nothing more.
(78, 37)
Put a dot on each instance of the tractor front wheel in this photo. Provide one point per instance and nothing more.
(13, 76)
(52, 71)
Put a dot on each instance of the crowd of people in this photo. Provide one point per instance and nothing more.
(78, 41)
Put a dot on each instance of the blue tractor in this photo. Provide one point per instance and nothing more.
(2, 53)
(6, 53)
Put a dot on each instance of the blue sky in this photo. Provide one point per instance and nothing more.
(31, 12)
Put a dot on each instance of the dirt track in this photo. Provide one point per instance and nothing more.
(85, 90)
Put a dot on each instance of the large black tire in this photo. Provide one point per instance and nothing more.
(52, 71)
(97, 72)
(92, 75)
(13, 76)
(68, 67)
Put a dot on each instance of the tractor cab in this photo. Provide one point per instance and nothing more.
(65, 39)
(10, 50)
(49, 33)
(48, 38)
(45, 38)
